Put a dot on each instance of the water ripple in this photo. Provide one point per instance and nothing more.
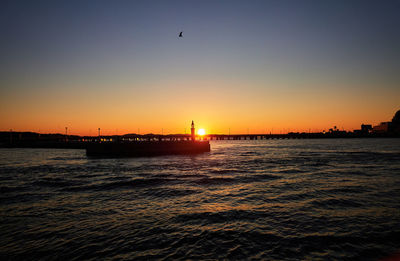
(273, 200)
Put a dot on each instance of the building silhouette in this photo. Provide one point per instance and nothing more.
(392, 127)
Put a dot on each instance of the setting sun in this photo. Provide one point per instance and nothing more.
(201, 132)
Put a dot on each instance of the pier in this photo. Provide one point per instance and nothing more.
(36, 140)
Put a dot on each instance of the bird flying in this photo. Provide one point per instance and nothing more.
(180, 34)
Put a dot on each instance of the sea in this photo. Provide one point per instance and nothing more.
(304, 199)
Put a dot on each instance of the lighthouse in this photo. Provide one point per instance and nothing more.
(192, 132)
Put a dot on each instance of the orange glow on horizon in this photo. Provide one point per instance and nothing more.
(168, 110)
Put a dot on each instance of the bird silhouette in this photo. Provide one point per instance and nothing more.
(180, 34)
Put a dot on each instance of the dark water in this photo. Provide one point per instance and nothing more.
(277, 199)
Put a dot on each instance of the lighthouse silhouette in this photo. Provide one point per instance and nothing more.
(193, 132)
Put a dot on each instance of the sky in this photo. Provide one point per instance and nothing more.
(240, 67)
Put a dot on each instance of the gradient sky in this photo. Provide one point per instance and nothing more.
(247, 66)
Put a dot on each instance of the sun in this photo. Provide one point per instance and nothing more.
(201, 132)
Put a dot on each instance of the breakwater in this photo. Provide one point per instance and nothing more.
(145, 148)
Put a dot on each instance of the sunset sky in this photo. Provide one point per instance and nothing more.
(247, 66)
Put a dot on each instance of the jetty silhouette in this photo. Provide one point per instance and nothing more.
(160, 144)
(148, 147)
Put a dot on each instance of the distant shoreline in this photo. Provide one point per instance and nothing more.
(36, 140)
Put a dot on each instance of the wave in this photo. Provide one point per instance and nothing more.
(257, 178)
(220, 217)
(214, 181)
(9, 189)
(335, 203)
(58, 158)
(125, 184)
(55, 183)
(168, 193)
